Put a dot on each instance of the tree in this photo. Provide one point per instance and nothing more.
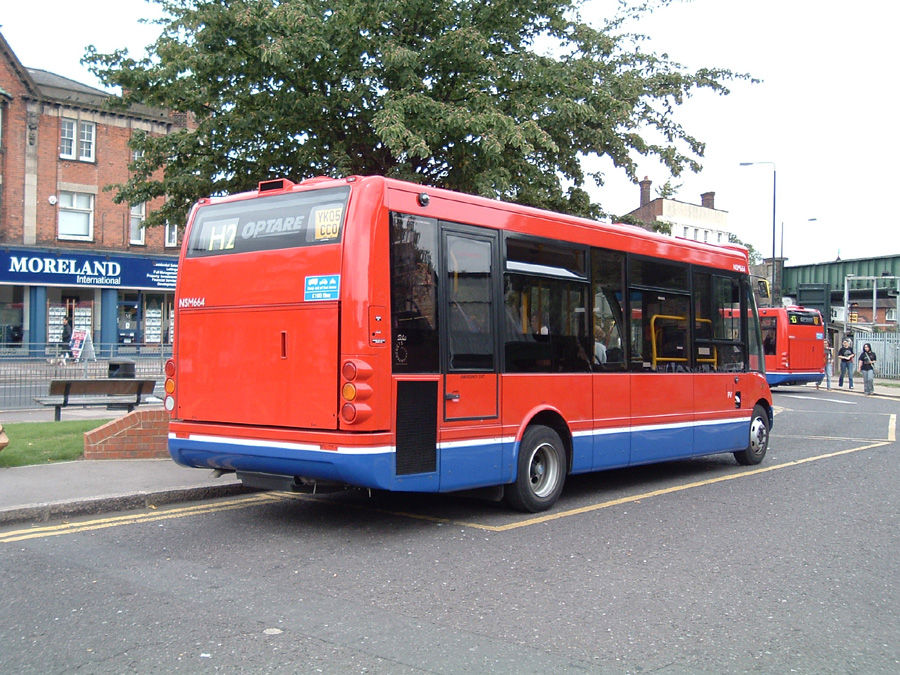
(667, 190)
(452, 93)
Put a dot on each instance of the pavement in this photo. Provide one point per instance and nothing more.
(88, 487)
(56, 490)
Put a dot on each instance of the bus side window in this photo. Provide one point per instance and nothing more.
(469, 266)
(659, 320)
(413, 294)
(546, 325)
(608, 315)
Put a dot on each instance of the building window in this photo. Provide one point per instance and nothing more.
(171, 235)
(76, 140)
(136, 229)
(67, 139)
(76, 216)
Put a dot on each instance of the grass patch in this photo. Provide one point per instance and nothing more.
(42, 442)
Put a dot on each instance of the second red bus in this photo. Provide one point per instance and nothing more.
(794, 345)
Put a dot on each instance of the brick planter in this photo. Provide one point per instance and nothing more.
(141, 434)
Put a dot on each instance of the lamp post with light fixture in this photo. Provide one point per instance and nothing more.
(774, 183)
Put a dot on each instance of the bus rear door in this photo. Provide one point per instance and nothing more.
(470, 373)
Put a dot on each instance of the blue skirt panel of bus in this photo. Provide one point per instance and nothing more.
(463, 465)
(370, 469)
(776, 379)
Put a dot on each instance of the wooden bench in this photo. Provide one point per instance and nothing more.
(124, 392)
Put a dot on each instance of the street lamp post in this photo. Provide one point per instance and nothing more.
(774, 176)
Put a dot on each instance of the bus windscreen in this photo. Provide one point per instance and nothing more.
(292, 220)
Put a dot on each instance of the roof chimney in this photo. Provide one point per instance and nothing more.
(708, 200)
(645, 190)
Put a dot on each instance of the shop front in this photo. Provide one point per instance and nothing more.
(125, 302)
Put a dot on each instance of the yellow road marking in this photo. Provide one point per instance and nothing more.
(833, 438)
(635, 498)
(132, 518)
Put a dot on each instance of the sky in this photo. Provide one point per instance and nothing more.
(823, 119)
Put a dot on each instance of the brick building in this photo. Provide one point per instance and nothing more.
(66, 249)
(700, 222)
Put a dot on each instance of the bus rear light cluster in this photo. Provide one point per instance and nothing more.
(169, 401)
(355, 390)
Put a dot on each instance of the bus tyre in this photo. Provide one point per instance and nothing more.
(759, 438)
(541, 471)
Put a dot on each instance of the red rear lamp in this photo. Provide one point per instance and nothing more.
(170, 368)
(355, 390)
(349, 370)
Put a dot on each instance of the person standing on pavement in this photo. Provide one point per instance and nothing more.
(846, 356)
(867, 361)
(828, 361)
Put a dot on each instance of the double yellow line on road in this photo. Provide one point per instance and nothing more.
(134, 518)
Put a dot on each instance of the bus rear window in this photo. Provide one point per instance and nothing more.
(266, 223)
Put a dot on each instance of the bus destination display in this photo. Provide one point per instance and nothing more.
(277, 222)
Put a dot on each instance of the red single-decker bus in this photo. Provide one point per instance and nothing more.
(794, 345)
(372, 332)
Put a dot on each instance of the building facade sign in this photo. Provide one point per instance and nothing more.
(42, 267)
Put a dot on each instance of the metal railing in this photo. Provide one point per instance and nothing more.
(26, 370)
(887, 350)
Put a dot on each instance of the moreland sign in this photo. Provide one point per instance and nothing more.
(42, 267)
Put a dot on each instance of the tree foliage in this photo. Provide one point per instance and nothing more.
(501, 98)
(667, 190)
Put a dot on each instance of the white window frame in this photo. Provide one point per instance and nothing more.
(77, 139)
(68, 204)
(137, 217)
(171, 235)
(87, 141)
(67, 132)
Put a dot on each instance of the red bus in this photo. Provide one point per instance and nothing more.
(376, 333)
(794, 345)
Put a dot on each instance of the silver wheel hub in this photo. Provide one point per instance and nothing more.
(543, 470)
(759, 435)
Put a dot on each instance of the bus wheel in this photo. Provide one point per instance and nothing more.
(759, 439)
(541, 471)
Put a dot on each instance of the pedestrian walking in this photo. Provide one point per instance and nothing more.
(66, 340)
(867, 361)
(846, 355)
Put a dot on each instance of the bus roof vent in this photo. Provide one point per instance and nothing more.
(277, 184)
